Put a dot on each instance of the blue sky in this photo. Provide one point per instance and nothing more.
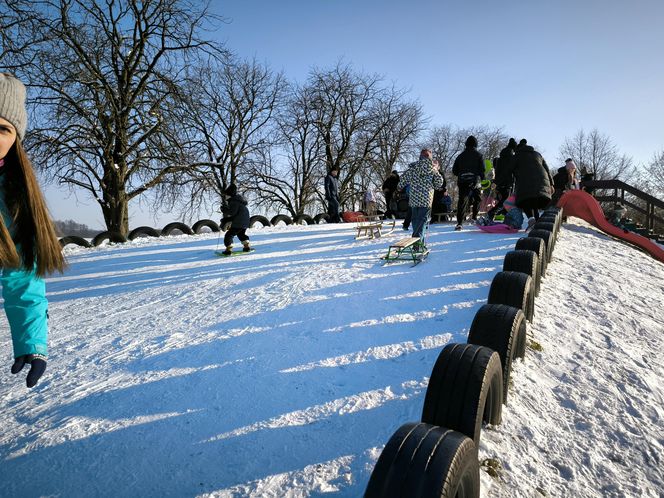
(540, 69)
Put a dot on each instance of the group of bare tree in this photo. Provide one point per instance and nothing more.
(130, 97)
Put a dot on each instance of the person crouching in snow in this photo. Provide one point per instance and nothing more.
(29, 248)
(236, 212)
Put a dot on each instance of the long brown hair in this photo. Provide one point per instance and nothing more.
(33, 228)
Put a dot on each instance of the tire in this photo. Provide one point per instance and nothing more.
(526, 262)
(512, 288)
(550, 218)
(547, 237)
(551, 227)
(538, 247)
(321, 217)
(503, 329)
(259, 219)
(176, 225)
(116, 238)
(74, 239)
(281, 217)
(196, 227)
(465, 388)
(303, 219)
(149, 231)
(422, 460)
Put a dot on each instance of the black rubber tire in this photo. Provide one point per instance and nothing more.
(545, 225)
(259, 219)
(321, 217)
(426, 461)
(136, 232)
(536, 245)
(503, 329)
(550, 218)
(196, 227)
(281, 217)
(524, 261)
(303, 219)
(74, 239)
(116, 238)
(176, 225)
(465, 388)
(547, 237)
(512, 288)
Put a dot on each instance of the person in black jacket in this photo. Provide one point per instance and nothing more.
(389, 188)
(236, 212)
(469, 170)
(503, 182)
(332, 195)
(534, 185)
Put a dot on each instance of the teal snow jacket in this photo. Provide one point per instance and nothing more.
(25, 300)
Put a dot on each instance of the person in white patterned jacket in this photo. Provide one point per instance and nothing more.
(424, 178)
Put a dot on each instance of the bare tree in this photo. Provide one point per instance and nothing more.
(102, 76)
(227, 116)
(291, 182)
(596, 154)
(654, 175)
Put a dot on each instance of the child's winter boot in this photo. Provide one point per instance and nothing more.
(246, 247)
(228, 251)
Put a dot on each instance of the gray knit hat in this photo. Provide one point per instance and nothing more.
(12, 103)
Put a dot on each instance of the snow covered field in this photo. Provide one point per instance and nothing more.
(285, 371)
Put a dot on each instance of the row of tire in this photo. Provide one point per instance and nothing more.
(196, 228)
(438, 456)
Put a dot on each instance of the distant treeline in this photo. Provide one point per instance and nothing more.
(70, 227)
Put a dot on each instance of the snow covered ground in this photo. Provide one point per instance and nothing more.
(285, 371)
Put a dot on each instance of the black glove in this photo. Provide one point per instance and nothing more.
(37, 368)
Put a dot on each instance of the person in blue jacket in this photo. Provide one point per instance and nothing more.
(29, 248)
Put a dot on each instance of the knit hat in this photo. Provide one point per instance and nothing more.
(471, 141)
(231, 190)
(12, 103)
(512, 143)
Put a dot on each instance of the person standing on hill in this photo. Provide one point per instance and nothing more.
(29, 248)
(534, 185)
(423, 178)
(502, 181)
(236, 212)
(389, 188)
(469, 170)
(332, 195)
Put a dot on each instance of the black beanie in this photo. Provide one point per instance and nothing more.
(231, 190)
(512, 143)
(523, 141)
(471, 141)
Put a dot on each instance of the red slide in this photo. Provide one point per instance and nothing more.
(583, 205)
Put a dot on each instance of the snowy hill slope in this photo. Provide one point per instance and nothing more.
(285, 371)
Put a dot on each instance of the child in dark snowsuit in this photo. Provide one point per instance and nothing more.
(236, 212)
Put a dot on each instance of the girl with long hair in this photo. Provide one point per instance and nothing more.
(29, 248)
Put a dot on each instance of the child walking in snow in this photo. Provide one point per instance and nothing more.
(236, 212)
(29, 248)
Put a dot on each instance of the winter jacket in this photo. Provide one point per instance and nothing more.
(560, 178)
(468, 164)
(505, 158)
(391, 183)
(533, 179)
(423, 180)
(331, 188)
(25, 300)
(235, 210)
